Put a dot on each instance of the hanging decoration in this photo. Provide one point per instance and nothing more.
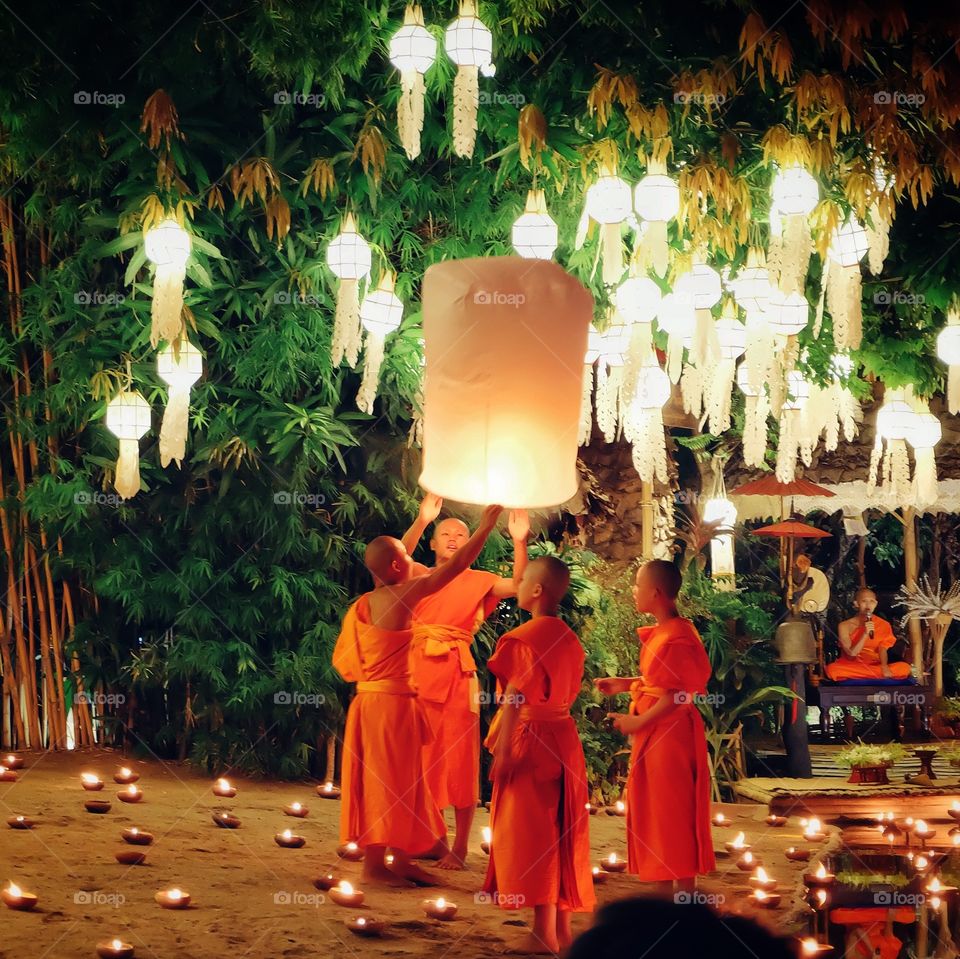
(643, 423)
(613, 346)
(794, 194)
(797, 436)
(380, 314)
(167, 247)
(469, 44)
(656, 200)
(718, 509)
(413, 50)
(833, 408)
(349, 259)
(637, 300)
(948, 351)
(707, 289)
(594, 347)
(756, 411)
(889, 461)
(534, 235)
(923, 437)
(751, 287)
(848, 244)
(677, 317)
(179, 367)
(128, 418)
(880, 217)
(608, 203)
(719, 375)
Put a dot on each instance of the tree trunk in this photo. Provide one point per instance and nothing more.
(861, 562)
(646, 515)
(330, 772)
(911, 568)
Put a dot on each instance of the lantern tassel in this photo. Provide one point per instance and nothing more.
(410, 111)
(166, 309)
(586, 406)
(654, 246)
(126, 480)
(926, 486)
(346, 324)
(691, 389)
(674, 357)
(174, 427)
(717, 393)
(611, 240)
(878, 239)
(372, 361)
(844, 301)
(648, 445)
(953, 389)
(786, 468)
(466, 99)
(757, 409)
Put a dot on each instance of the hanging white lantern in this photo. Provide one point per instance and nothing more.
(643, 421)
(787, 313)
(349, 259)
(179, 369)
(720, 510)
(128, 418)
(848, 244)
(653, 388)
(948, 351)
(534, 235)
(795, 192)
(413, 50)
(732, 335)
(613, 346)
(656, 199)
(756, 410)
(751, 286)
(889, 461)
(707, 288)
(923, 437)
(469, 44)
(722, 568)
(380, 314)
(167, 246)
(677, 317)
(895, 420)
(638, 299)
(608, 202)
(594, 346)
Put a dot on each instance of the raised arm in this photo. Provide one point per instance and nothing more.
(430, 507)
(519, 526)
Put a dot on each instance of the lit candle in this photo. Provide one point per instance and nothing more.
(795, 854)
(809, 948)
(923, 832)
(955, 838)
(323, 883)
(130, 794)
(364, 926)
(766, 900)
(130, 857)
(772, 820)
(12, 761)
(20, 822)
(137, 837)
(328, 791)
(99, 806)
(487, 833)
(388, 859)
(892, 833)
(760, 880)
(619, 808)
(7, 775)
(440, 909)
(226, 820)
(720, 820)
(748, 862)
(296, 809)
(90, 782)
(921, 863)
(590, 808)
(125, 775)
(344, 894)
(819, 877)
(115, 949)
(613, 864)
(739, 844)
(350, 851)
(288, 840)
(16, 898)
(599, 875)
(173, 898)
(820, 899)
(954, 810)
(223, 788)
(813, 832)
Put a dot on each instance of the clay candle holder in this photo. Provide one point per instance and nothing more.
(892, 833)
(590, 808)
(130, 857)
(748, 862)
(16, 898)
(125, 775)
(923, 832)
(90, 782)
(719, 819)
(765, 900)
(288, 840)
(130, 794)
(819, 878)
(613, 864)
(12, 761)
(20, 822)
(809, 948)
(350, 851)
(369, 928)
(795, 854)
(223, 788)
(115, 949)
(328, 791)
(99, 806)
(936, 888)
(226, 820)
(599, 875)
(487, 839)
(440, 909)
(323, 883)
(737, 845)
(173, 898)
(921, 864)
(813, 831)
(296, 809)
(7, 775)
(772, 820)
(343, 894)
(137, 837)
(760, 880)
(953, 812)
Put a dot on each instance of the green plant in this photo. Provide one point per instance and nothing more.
(862, 754)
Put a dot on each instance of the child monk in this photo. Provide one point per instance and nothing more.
(668, 787)
(864, 641)
(540, 848)
(386, 801)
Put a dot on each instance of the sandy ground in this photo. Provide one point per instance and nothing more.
(252, 898)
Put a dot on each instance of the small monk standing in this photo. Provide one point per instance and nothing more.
(443, 670)
(540, 849)
(864, 641)
(386, 800)
(668, 786)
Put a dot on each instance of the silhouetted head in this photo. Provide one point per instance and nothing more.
(658, 582)
(448, 536)
(546, 579)
(388, 560)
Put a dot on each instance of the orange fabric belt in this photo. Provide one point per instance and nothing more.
(544, 714)
(439, 640)
(392, 687)
(637, 690)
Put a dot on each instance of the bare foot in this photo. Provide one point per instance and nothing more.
(531, 945)
(384, 876)
(440, 850)
(453, 860)
(414, 874)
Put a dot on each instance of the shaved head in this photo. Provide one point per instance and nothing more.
(864, 591)
(387, 560)
(452, 524)
(543, 585)
(448, 536)
(664, 576)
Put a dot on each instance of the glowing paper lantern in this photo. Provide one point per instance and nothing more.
(656, 199)
(505, 343)
(412, 51)
(380, 314)
(948, 351)
(643, 422)
(608, 202)
(534, 235)
(732, 336)
(923, 437)
(469, 44)
(179, 369)
(638, 299)
(787, 313)
(128, 418)
(895, 420)
(167, 247)
(707, 288)
(349, 259)
(722, 568)
(848, 244)
(889, 461)
(795, 192)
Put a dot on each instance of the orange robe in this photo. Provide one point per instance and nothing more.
(445, 677)
(668, 788)
(867, 664)
(540, 848)
(883, 944)
(386, 801)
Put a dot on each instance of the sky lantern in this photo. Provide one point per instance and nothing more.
(167, 247)
(505, 342)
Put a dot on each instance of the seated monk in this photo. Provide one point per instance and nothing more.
(864, 641)
(386, 800)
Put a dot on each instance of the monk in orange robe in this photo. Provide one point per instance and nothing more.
(870, 932)
(444, 672)
(386, 800)
(864, 641)
(540, 848)
(668, 787)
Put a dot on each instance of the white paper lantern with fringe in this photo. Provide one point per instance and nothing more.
(179, 369)
(608, 202)
(656, 199)
(167, 246)
(534, 235)
(948, 351)
(469, 44)
(380, 314)
(128, 418)
(643, 423)
(925, 433)
(349, 259)
(844, 291)
(756, 410)
(413, 50)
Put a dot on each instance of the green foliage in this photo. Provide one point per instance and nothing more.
(862, 754)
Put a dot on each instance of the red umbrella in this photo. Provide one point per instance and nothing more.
(792, 529)
(771, 486)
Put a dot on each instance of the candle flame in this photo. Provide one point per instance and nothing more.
(821, 896)
(175, 894)
(116, 944)
(921, 826)
(441, 903)
(134, 830)
(760, 894)
(19, 818)
(352, 846)
(809, 946)
(921, 862)
(761, 874)
(296, 806)
(612, 857)
(125, 771)
(287, 834)
(955, 805)
(132, 790)
(361, 921)
(739, 841)
(596, 870)
(935, 903)
(346, 888)
(956, 838)
(89, 778)
(821, 872)
(14, 889)
(619, 806)
(487, 833)
(719, 818)
(223, 783)
(748, 857)
(934, 885)
(328, 787)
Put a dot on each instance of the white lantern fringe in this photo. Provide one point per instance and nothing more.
(889, 461)
(614, 345)
(923, 437)
(608, 203)
(413, 50)
(179, 369)
(948, 351)
(469, 44)
(656, 199)
(594, 348)
(719, 509)
(756, 410)
(349, 259)
(167, 246)
(128, 418)
(844, 284)
(878, 229)
(380, 314)
(643, 425)
(534, 235)
(794, 194)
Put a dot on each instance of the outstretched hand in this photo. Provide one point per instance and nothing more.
(490, 516)
(625, 723)
(518, 524)
(430, 507)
